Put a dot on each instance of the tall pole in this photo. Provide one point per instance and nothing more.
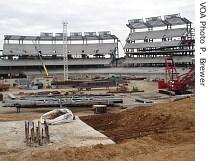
(65, 51)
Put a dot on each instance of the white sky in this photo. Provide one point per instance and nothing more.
(25, 17)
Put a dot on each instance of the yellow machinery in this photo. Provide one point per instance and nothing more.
(46, 75)
(44, 67)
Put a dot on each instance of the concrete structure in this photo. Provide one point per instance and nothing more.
(150, 41)
(87, 50)
(75, 134)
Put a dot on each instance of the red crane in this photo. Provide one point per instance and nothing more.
(174, 82)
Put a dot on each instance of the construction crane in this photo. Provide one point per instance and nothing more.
(46, 75)
(183, 82)
(174, 82)
(121, 45)
(40, 57)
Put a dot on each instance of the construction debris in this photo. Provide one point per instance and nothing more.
(87, 84)
(143, 100)
(36, 135)
(167, 92)
(100, 108)
(180, 97)
(123, 88)
(57, 116)
(4, 86)
(10, 95)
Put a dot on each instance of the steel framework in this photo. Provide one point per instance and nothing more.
(65, 51)
(174, 82)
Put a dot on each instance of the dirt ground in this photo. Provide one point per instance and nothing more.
(162, 132)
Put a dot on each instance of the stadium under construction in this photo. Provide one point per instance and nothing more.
(97, 96)
(149, 42)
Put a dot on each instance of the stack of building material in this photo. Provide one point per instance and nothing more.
(143, 100)
(4, 86)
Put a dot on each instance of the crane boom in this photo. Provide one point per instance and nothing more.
(40, 57)
(175, 82)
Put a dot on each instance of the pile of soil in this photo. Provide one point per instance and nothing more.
(138, 122)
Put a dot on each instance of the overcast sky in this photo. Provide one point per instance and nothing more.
(25, 17)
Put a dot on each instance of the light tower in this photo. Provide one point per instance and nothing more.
(65, 51)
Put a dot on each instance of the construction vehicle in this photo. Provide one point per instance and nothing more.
(122, 88)
(43, 65)
(4, 86)
(46, 74)
(178, 84)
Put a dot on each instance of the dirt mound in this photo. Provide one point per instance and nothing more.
(145, 149)
(138, 122)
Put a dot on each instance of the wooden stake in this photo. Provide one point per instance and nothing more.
(32, 133)
(37, 131)
(26, 132)
(42, 137)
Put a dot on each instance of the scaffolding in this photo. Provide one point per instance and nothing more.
(152, 40)
(65, 51)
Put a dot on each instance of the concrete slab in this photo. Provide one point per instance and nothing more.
(76, 134)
